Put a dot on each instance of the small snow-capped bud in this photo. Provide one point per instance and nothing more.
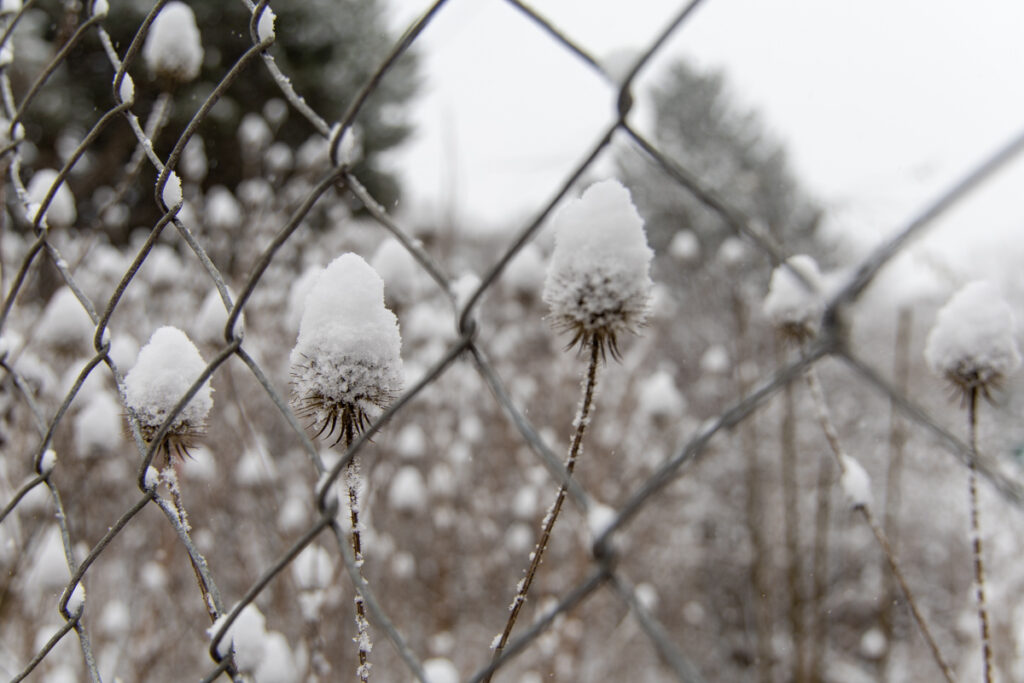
(855, 482)
(173, 50)
(793, 306)
(127, 89)
(265, 27)
(166, 368)
(171, 193)
(973, 343)
(61, 212)
(598, 284)
(47, 462)
(346, 365)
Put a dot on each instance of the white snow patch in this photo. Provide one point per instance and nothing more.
(100, 8)
(407, 492)
(10, 6)
(98, 425)
(659, 398)
(599, 277)
(684, 246)
(127, 89)
(47, 462)
(254, 133)
(61, 212)
(213, 318)
(76, 600)
(265, 27)
(313, 568)
(65, 323)
(173, 49)
(715, 360)
(167, 366)
(855, 482)
(223, 211)
(440, 670)
(172, 190)
(790, 303)
(974, 334)
(399, 270)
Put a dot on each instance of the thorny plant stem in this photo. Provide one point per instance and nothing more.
(791, 520)
(832, 436)
(170, 478)
(363, 643)
(582, 419)
(979, 564)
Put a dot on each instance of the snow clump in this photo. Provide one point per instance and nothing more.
(793, 307)
(171, 193)
(61, 212)
(973, 343)
(598, 283)
(407, 492)
(65, 325)
(166, 368)
(265, 27)
(173, 50)
(855, 482)
(346, 365)
(440, 670)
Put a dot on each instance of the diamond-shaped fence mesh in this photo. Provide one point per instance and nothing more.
(704, 538)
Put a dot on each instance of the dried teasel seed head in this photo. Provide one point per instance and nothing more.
(794, 306)
(167, 367)
(973, 343)
(346, 366)
(598, 284)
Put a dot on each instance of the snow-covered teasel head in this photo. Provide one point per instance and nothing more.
(167, 366)
(346, 366)
(598, 284)
(173, 50)
(792, 306)
(973, 342)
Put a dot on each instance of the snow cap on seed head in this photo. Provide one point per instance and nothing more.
(346, 365)
(598, 284)
(973, 343)
(793, 307)
(173, 50)
(167, 366)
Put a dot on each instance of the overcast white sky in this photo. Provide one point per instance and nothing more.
(879, 103)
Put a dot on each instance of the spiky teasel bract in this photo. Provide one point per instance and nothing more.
(166, 368)
(598, 285)
(795, 306)
(346, 366)
(973, 344)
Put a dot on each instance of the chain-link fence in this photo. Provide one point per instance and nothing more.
(471, 435)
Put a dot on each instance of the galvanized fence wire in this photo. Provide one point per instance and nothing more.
(605, 575)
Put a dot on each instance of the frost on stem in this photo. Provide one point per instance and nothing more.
(598, 285)
(346, 366)
(173, 50)
(167, 366)
(973, 343)
(793, 307)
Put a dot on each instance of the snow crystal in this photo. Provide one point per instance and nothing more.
(47, 462)
(167, 366)
(684, 246)
(100, 8)
(349, 345)
(440, 670)
(213, 317)
(313, 568)
(172, 190)
(855, 482)
(265, 28)
(407, 492)
(61, 212)
(599, 281)
(790, 305)
(659, 397)
(973, 342)
(76, 600)
(65, 325)
(98, 425)
(173, 49)
(127, 89)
